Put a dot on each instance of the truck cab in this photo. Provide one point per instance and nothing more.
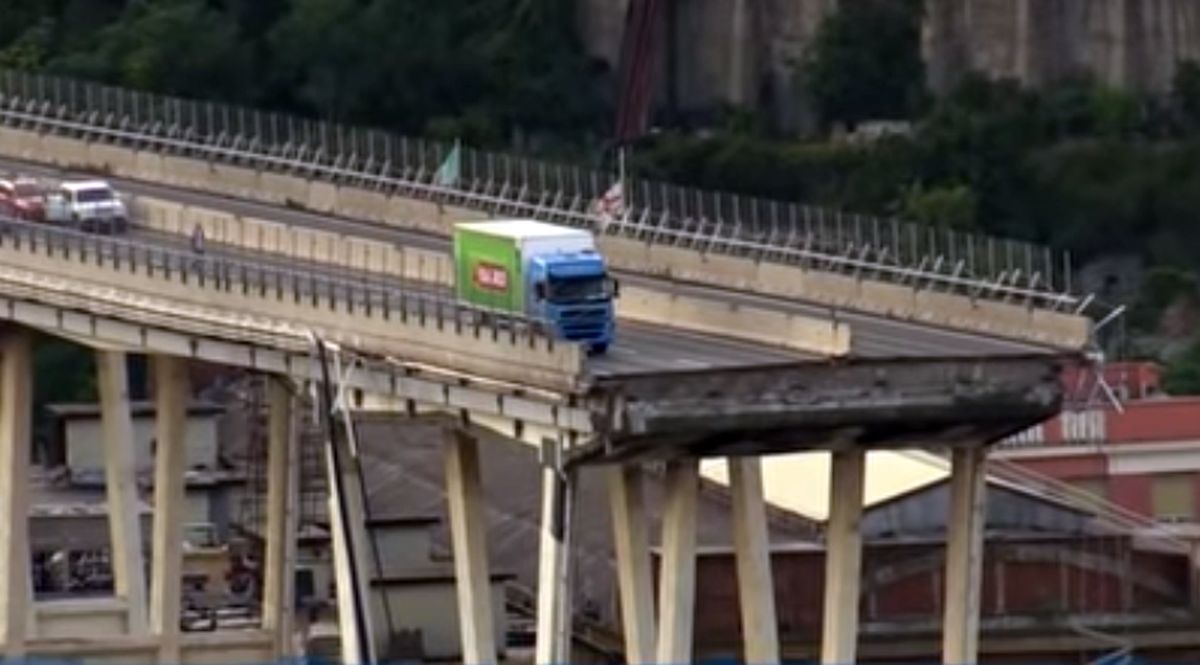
(574, 292)
(89, 205)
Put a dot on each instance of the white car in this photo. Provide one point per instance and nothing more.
(89, 205)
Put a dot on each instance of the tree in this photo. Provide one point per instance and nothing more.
(865, 62)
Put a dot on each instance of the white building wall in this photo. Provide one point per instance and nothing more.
(85, 443)
(432, 608)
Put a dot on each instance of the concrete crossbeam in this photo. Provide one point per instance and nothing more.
(964, 557)
(171, 395)
(843, 558)
(16, 412)
(468, 530)
(121, 488)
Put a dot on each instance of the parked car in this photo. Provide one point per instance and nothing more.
(23, 198)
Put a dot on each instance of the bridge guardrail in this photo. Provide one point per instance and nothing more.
(719, 223)
(407, 323)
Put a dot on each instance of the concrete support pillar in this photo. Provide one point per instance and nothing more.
(170, 397)
(843, 558)
(633, 562)
(352, 544)
(964, 557)
(752, 544)
(468, 529)
(16, 406)
(554, 592)
(282, 516)
(120, 482)
(677, 574)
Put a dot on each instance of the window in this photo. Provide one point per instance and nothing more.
(1172, 497)
(93, 195)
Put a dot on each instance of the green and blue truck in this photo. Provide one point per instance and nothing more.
(543, 271)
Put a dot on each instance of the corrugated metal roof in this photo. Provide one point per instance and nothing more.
(799, 482)
(138, 409)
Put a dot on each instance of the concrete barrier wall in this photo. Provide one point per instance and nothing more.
(470, 350)
(773, 327)
(760, 325)
(864, 295)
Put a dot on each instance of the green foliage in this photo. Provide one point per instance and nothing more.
(951, 207)
(1182, 375)
(865, 62)
(484, 70)
(1162, 287)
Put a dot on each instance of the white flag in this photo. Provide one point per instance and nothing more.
(611, 206)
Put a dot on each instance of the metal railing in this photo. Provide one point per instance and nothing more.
(370, 297)
(718, 222)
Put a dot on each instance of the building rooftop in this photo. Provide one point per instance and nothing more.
(139, 409)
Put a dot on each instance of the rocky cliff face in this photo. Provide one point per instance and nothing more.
(744, 51)
(718, 51)
(1135, 44)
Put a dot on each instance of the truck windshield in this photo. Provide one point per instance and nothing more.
(93, 195)
(579, 288)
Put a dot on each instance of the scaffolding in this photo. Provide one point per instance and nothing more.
(314, 483)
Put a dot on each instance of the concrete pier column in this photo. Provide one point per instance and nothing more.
(16, 412)
(677, 574)
(170, 459)
(554, 592)
(634, 577)
(282, 516)
(120, 483)
(964, 557)
(843, 558)
(752, 544)
(468, 530)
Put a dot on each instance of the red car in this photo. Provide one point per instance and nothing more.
(22, 198)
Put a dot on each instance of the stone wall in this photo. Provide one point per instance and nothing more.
(1135, 44)
(703, 69)
(743, 51)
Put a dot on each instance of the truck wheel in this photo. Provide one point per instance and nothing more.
(599, 349)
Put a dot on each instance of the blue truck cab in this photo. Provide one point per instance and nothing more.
(572, 290)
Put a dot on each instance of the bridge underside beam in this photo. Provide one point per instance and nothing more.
(869, 404)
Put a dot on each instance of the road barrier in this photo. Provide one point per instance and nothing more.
(791, 331)
(638, 253)
(247, 298)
